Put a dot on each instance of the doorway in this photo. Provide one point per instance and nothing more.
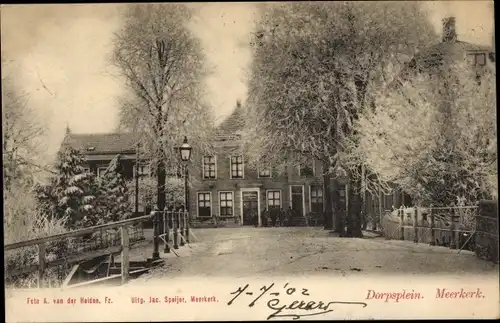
(250, 211)
(297, 199)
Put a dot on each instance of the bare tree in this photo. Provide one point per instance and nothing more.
(316, 67)
(22, 135)
(163, 65)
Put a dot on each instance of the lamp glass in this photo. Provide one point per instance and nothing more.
(185, 150)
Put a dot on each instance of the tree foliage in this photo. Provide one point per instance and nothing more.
(72, 192)
(439, 156)
(114, 194)
(316, 66)
(163, 65)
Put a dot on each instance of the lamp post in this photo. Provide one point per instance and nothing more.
(185, 154)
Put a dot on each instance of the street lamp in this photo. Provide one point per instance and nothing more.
(185, 154)
(185, 150)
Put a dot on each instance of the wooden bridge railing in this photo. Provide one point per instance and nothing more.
(41, 243)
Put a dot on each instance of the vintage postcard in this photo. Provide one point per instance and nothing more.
(249, 161)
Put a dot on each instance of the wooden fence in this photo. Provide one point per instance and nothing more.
(452, 227)
(71, 248)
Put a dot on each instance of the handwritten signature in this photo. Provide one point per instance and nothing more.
(283, 310)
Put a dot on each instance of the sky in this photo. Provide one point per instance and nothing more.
(60, 55)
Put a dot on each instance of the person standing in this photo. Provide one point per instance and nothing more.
(274, 216)
(265, 218)
(281, 217)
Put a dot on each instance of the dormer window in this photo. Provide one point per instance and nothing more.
(478, 59)
(481, 59)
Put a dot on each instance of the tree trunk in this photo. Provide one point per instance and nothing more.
(354, 210)
(338, 210)
(327, 206)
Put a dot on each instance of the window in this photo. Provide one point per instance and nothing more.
(306, 170)
(481, 59)
(316, 199)
(209, 167)
(471, 59)
(101, 171)
(264, 171)
(204, 205)
(225, 204)
(236, 166)
(143, 170)
(274, 199)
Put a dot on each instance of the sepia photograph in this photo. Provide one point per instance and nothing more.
(249, 161)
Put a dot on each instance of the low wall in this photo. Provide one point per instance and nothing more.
(487, 231)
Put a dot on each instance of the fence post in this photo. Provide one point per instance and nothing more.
(415, 225)
(187, 226)
(181, 231)
(166, 249)
(175, 228)
(156, 233)
(453, 244)
(41, 264)
(125, 253)
(402, 227)
(431, 220)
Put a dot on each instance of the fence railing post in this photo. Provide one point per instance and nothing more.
(182, 223)
(156, 233)
(431, 227)
(402, 227)
(453, 244)
(125, 253)
(176, 229)
(41, 265)
(166, 248)
(415, 225)
(187, 226)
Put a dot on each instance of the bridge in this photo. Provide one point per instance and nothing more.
(87, 256)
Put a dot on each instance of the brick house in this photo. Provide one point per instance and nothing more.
(223, 185)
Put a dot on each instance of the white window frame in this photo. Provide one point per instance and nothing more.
(270, 172)
(310, 194)
(267, 197)
(203, 167)
(312, 167)
(231, 167)
(99, 170)
(232, 200)
(198, 204)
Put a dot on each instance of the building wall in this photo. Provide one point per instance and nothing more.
(224, 183)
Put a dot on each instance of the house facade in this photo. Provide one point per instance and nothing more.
(225, 186)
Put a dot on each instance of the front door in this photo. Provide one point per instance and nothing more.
(297, 200)
(250, 201)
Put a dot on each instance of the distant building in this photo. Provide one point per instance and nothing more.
(449, 50)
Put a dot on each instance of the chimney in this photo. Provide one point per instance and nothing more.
(449, 31)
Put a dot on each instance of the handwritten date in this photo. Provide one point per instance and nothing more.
(284, 309)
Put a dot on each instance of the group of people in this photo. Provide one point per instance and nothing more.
(275, 217)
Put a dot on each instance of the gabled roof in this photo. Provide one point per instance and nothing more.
(231, 127)
(105, 143)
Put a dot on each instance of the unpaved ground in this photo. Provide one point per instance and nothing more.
(248, 251)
